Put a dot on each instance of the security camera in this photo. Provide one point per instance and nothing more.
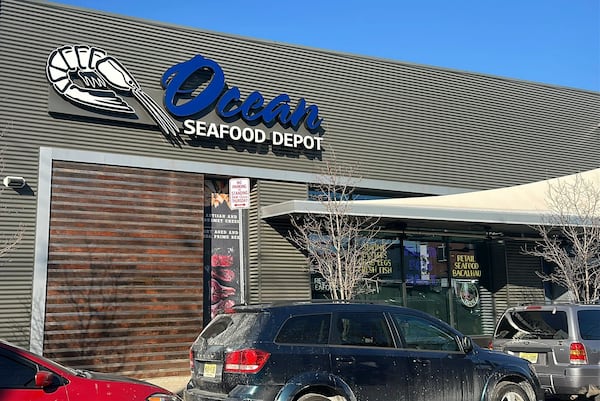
(14, 182)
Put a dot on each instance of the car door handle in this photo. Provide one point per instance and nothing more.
(347, 360)
(422, 362)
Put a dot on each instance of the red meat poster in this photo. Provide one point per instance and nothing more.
(222, 248)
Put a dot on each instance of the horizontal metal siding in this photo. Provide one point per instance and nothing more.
(524, 285)
(125, 268)
(383, 111)
(17, 213)
(486, 302)
(404, 122)
(278, 270)
(254, 240)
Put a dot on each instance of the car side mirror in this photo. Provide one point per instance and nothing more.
(467, 344)
(44, 379)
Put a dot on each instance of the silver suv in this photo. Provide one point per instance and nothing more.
(561, 340)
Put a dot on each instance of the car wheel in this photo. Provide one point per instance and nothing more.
(509, 392)
(312, 397)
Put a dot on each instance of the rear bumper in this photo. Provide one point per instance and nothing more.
(198, 395)
(245, 393)
(573, 380)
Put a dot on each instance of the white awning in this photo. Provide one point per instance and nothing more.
(518, 205)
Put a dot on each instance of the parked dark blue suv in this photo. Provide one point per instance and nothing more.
(348, 352)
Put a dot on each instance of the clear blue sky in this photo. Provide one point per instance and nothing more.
(550, 41)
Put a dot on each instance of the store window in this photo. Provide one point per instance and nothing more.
(437, 275)
(426, 277)
(465, 261)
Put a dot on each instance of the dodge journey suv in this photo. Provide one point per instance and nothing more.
(348, 352)
(561, 340)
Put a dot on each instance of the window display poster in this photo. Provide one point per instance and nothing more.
(466, 273)
(222, 248)
(421, 263)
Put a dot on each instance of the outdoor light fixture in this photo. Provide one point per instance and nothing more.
(14, 182)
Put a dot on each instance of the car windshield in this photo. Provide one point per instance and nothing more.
(533, 324)
(589, 324)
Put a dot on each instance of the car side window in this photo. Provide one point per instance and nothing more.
(305, 329)
(16, 374)
(589, 324)
(363, 329)
(422, 334)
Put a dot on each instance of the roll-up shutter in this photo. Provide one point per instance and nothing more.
(124, 283)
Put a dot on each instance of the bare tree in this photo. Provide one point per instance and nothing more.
(7, 241)
(341, 247)
(570, 237)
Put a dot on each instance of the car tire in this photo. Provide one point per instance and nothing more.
(312, 397)
(507, 391)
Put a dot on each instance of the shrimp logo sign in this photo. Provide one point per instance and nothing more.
(91, 81)
(102, 77)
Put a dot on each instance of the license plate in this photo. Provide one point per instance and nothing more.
(210, 370)
(530, 356)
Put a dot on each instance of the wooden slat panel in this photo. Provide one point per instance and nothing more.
(124, 291)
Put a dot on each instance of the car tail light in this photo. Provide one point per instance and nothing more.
(191, 359)
(245, 361)
(577, 354)
(490, 345)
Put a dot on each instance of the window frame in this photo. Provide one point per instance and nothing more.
(389, 340)
(17, 359)
(286, 322)
(440, 329)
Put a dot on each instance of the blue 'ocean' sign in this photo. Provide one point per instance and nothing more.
(229, 104)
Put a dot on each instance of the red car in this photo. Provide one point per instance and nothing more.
(25, 376)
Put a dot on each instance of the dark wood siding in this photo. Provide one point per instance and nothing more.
(124, 290)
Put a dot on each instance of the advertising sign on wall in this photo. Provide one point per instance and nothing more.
(466, 273)
(100, 86)
(223, 256)
(422, 265)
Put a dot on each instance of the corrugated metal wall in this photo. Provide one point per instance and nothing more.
(125, 268)
(514, 278)
(276, 266)
(524, 285)
(493, 285)
(406, 123)
(15, 266)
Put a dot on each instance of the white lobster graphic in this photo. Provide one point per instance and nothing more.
(99, 72)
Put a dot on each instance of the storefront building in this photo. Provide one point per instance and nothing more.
(159, 163)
